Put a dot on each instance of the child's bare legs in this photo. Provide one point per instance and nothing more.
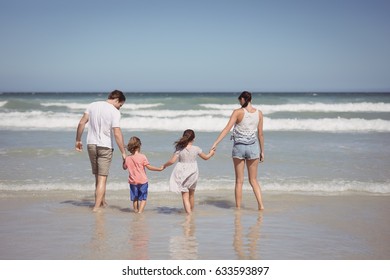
(141, 205)
(188, 200)
(192, 199)
(252, 174)
(239, 166)
(136, 205)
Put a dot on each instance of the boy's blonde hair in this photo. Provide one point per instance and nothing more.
(134, 145)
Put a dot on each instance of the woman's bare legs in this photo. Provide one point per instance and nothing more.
(239, 166)
(252, 174)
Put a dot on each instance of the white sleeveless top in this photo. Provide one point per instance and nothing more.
(245, 132)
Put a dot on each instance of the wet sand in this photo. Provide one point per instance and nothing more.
(59, 225)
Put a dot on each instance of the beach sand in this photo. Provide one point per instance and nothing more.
(59, 225)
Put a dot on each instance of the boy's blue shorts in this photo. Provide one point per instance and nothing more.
(139, 192)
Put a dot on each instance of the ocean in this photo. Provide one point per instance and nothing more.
(315, 143)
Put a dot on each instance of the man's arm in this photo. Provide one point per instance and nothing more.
(119, 140)
(80, 129)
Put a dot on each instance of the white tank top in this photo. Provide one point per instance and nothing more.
(245, 131)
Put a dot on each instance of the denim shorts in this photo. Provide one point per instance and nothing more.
(139, 192)
(242, 151)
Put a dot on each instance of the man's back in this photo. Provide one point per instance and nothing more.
(103, 116)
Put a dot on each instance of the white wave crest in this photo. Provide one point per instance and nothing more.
(82, 106)
(330, 187)
(200, 123)
(176, 121)
(327, 125)
(38, 120)
(311, 107)
(179, 113)
(72, 106)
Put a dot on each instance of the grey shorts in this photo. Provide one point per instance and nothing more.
(243, 151)
(100, 158)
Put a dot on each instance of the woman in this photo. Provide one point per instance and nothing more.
(248, 148)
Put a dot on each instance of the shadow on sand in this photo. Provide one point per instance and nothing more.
(220, 203)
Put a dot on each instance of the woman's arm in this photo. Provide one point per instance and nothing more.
(228, 127)
(261, 136)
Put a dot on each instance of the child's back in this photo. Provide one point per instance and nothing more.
(138, 181)
(185, 174)
(189, 154)
(136, 166)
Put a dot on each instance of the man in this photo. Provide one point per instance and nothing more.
(103, 118)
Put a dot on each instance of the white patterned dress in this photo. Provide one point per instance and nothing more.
(185, 174)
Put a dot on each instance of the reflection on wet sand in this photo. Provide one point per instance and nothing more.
(185, 246)
(97, 247)
(138, 238)
(108, 242)
(245, 242)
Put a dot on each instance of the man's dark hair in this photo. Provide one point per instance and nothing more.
(117, 94)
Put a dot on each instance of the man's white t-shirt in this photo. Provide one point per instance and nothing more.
(103, 116)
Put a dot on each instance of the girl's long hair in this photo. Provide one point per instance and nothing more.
(247, 97)
(188, 136)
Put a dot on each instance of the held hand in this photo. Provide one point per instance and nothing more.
(79, 146)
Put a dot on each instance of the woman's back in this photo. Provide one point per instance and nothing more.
(249, 121)
(244, 132)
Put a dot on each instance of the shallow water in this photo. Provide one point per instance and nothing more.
(62, 226)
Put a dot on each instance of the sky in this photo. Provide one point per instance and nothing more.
(197, 45)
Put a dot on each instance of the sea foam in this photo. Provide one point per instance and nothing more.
(177, 121)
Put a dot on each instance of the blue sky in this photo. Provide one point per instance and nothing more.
(178, 45)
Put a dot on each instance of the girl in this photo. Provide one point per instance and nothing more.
(135, 164)
(185, 174)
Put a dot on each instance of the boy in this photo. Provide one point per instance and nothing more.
(135, 164)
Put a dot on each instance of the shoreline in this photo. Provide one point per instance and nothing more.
(60, 225)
